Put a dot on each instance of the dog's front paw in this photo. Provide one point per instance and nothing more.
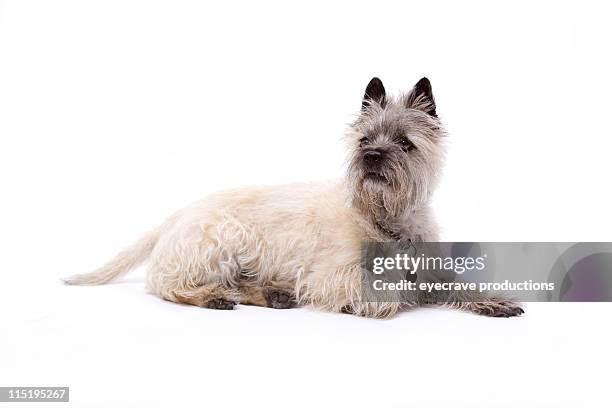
(497, 308)
(220, 304)
(279, 299)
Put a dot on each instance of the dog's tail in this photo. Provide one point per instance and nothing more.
(125, 261)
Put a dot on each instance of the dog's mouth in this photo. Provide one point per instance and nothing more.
(375, 177)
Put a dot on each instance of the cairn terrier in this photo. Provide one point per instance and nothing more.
(300, 244)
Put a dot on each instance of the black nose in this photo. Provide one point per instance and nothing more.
(372, 157)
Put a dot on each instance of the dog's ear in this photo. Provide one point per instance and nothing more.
(421, 98)
(375, 92)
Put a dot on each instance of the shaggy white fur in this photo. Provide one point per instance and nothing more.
(300, 233)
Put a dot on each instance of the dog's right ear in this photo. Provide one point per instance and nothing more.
(374, 93)
(421, 98)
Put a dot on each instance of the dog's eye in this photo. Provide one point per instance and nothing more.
(406, 144)
(364, 141)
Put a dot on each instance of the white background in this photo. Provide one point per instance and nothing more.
(113, 114)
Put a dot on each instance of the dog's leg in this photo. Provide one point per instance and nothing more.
(341, 291)
(211, 296)
(475, 302)
(200, 263)
(275, 296)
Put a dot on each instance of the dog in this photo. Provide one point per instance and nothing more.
(300, 244)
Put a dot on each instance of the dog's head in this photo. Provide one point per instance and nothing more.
(396, 149)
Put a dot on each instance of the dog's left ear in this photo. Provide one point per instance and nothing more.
(375, 92)
(421, 98)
